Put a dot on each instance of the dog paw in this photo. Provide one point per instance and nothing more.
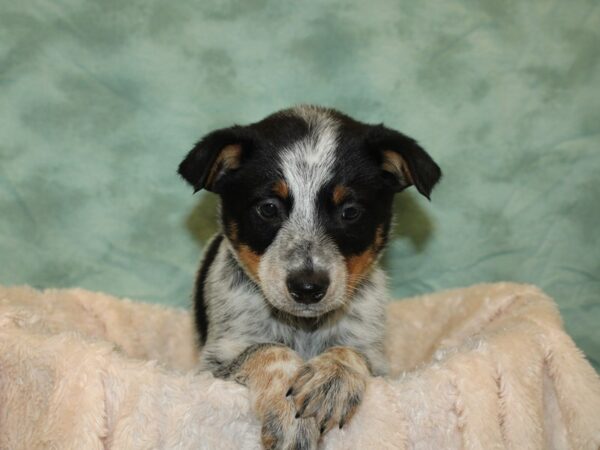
(330, 387)
(281, 430)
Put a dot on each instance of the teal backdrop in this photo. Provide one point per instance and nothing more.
(100, 100)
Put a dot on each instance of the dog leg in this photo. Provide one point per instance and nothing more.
(267, 370)
(330, 387)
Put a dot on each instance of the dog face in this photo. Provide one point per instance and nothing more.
(306, 200)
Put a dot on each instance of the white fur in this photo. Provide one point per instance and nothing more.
(306, 165)
(239, 316)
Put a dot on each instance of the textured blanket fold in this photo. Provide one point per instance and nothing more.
(483, 367)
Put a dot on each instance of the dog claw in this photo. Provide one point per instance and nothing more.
(289, 392)
(300, 411)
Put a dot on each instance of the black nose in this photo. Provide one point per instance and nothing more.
(307, 286)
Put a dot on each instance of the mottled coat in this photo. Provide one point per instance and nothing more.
(289, 298)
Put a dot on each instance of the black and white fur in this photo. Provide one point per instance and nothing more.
(330, 181)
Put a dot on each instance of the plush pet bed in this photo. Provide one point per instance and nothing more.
(483, 367)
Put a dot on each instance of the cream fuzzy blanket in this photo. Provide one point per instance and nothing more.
(483, 367)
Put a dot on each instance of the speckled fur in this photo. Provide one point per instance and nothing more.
(241, 320)
(240, 317)
(306, 365)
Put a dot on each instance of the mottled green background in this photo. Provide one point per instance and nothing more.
(100, 100)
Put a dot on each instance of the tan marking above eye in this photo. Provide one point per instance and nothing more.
(396, 165)
(281, 189)
(340, 193)
(228, 159)
(250, 259)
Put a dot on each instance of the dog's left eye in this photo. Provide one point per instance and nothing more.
(269, 209)
(351, 213)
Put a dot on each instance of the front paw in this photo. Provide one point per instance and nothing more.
(281, 430)
(330, 387)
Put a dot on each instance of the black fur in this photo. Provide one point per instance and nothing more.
(358, 166)
(199, 303)
(260, 142)
(425, 172)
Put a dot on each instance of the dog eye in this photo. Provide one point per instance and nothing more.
(351, 213)
(269, 209)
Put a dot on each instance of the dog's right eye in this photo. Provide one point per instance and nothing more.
(269, 209)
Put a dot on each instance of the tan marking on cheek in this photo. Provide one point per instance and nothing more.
(358, 267)
(339, 194)
(281, 189)
(250, 259)
(395, 164)
(228, 159)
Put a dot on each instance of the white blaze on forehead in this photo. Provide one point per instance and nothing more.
(307, 164)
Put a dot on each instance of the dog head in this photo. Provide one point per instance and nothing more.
(306, 200)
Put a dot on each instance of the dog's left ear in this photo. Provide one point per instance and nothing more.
(215, 156)
(403, 161)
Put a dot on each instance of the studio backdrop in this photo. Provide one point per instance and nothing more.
(100, 101)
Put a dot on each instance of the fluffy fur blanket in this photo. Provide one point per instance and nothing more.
(484, 367)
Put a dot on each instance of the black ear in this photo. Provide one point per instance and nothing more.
(217, 154)
(403, 161)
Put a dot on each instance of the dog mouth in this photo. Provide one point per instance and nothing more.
(289, 305)
(307, 310)
(303, 311)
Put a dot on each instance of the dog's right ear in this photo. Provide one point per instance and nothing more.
(213, 157)
(404, 162)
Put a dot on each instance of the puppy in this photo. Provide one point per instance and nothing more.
(289, 299)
